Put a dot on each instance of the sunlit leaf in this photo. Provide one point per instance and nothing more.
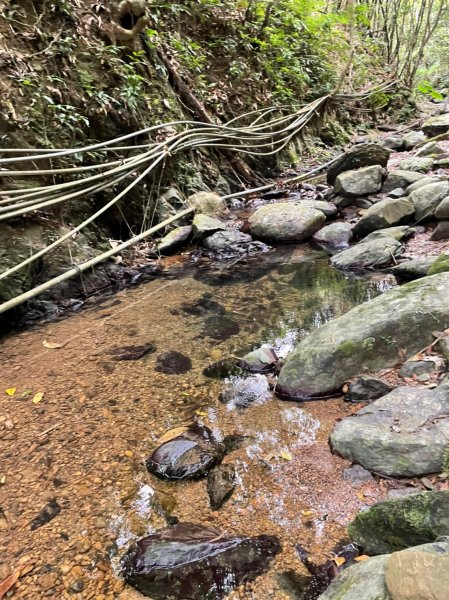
(37, 398)
(52, 345)
(361, 558)
(171, 434)
(339, 560)
(201, 413)
(11, 391)
(286, 455)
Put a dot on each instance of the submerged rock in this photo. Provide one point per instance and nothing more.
(174, 239)
(436, 125)
(286, 222)
(220, 328)
(427, 199)
(368, 254)
(367, 389)
(203, 306)
(400, 523)
(192, 562)
(360, 182)
(221, 483)
(242, 392)
(222, 368)
(173, 363)
(369, 337)
(383, 214)
(189, 455)
(403, 434)
(131, 352)
(361, 155)
(335, 235)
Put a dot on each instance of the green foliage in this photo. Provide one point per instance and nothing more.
(427, 89)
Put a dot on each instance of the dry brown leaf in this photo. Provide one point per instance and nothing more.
(171, 434)
(9, 582)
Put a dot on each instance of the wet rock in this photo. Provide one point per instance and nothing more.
(426, 199)
(360, 182)
(357, 474)
(383, 214)
(400, 179)
(190, 455)
(207, 203)
(421, 164)
(226, 241)
(203, 306)
(222, 368)
(363, 581)
(398, 233)
(436, 125)
(131, 352)
(442, 210)
(47, 514)
(174, 240)
(335, 235)
(368, 254)
(173, 363)
(328, 209)
(192, 562)
(285, 222)
(220, 328)
(203, 226)
(404, 433)
(369, 337)
(430, 149)
(411, 139)
(261, 360)
(413, 368)
(362, 155)
(414, 269)
(221, 483)
(396, 524)
(441, 231)
(367, 389)
(242, 392)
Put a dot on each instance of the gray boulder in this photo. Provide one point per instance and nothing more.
(327, 208)
(360, 182)
(334, 235)
(441, 231)
(207, 203)
(174, 240)
(393, 142)
(442, 210)
(402, 434)
(414, 269)
(411, 139)
(369, 337)
(421, 164)
(425, 181)
(286, 222)
(436, 125)
(368, 254)
(383, 214)
(401, 523)
(419, 368)
(427, 199)
(400, 179)
(361, 155)
(400, 232)
(204, 226)
(226, 240)
(430, 149)
(367, 389)
(363, 581)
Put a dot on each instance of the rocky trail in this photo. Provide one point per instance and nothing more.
(265, 416)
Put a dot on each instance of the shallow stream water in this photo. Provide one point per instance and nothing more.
(84, 444)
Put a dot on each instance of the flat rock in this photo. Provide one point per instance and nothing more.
(399, 233)
(414, 269)
(189, 455)
(393, 142)
(335, 235)
(328, 209)
(132, 352)
(367, 389)
(436, 125)
(396, 524)
(361, 155)
(204, 225)
(430, 149)
(413, 368)
(427, 199)
(369, 337)
(286, 222)
(400, 179)
(221, 483)
(357, 474)
(368, 254)
(422, 164)
(174, 240)
(192, 562)
(402, 434)
(383, 214)
(428, 179)
(173, 363)
(360, 182)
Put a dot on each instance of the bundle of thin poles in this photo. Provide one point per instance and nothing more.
(262, 137)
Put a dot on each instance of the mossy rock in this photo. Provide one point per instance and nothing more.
(440, 265)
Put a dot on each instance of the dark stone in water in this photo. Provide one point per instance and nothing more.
(221, 483)
(202, 306)
(220, 328)
(191, 455)
(192, 562)
(49, 512)
(173, 363)
(131, 352)
(222, 368)
(234, 441)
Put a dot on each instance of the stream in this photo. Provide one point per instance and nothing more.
(85, 442)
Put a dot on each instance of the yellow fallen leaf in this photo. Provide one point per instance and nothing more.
(129, 453)
(38, 397)
(361, 495)
(2, 479)
(286, 455)
(339, 560)
(307, 513)
(11, 391)
(52, 345)
(201, 413)
(361, 558)
(171, 434)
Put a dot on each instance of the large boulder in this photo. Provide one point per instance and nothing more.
(335, 235)
(193, 562)
(401, 523)
(402, 434)
(361, 155)
(436, 125)
(368, 254)
(286, 222)
(425, 181)
(383, 214)
(400, 179)
(369, 337)
(360, 182)
(362, 581)
(427, 199)
(207, 203)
